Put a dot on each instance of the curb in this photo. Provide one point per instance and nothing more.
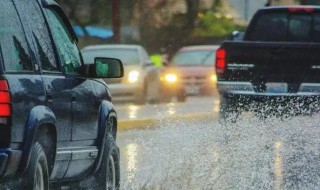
(145, 123)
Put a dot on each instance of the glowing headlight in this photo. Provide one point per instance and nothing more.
(133, 76)
(213, 78)
(171, 78)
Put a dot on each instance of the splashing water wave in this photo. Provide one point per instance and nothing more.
(272, 153)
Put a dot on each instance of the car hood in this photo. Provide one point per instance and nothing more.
(127, 70)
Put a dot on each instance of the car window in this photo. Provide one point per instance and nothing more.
(127, 56)
(67, 48)
(270, 27)
(286, 27)
(204, 57)
(300, 27)
(14, 47)
(41, 35)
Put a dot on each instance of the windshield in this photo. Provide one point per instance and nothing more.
(286, 27)
(127, 56)
(195, 57)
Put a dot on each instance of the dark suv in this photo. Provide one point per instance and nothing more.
(57, 123)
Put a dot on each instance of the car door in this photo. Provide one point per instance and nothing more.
(57, 86)
(83, 96)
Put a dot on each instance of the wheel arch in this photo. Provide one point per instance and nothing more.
(106, 112)
(41, 124)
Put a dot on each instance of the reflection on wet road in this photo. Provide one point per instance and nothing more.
(194, 105)
(272, 153)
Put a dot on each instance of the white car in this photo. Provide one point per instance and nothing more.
(142, 79)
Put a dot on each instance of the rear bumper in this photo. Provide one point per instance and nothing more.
(247, 89)
(3, 162)
(9, 162)
(305, 101)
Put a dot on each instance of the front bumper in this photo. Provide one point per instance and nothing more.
(171, 89)
(174, 89)
(125, 92)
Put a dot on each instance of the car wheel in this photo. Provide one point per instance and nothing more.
(108, 175)
(165, 98)
(36, 176)
(182, 97)
(229, 111)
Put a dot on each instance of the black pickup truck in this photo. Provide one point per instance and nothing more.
(276, 63)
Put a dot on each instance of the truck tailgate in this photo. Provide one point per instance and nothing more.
(256, 62)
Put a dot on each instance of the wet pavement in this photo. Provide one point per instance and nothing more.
(193, 105)
(272, 153)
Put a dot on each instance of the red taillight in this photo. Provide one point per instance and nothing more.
(4, 85)
(221, 55)
(301, 9)
(5, 110)
(5, 99)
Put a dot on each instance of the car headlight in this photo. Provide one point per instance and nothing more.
(213, 78)
(171, 78)
(133, 76)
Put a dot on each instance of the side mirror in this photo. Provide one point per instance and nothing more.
(237, 36)
(106, 68)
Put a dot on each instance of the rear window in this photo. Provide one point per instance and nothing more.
(304, 27)
(14, 47)
(127, 56)
(195, 57)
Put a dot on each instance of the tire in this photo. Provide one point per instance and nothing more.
(108, 175)
(36, 176)
(182, 97)
(229, 110)
(165, 99)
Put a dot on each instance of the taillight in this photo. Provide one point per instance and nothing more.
(301, 9)
(5, 99)
(221, 55)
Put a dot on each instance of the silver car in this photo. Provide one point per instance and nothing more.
(142, 79)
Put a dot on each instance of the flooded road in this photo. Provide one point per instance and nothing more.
(272, 153)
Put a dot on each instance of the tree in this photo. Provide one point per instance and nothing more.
(192, 11)
(87, 12)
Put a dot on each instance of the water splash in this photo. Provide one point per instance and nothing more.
(272, 153)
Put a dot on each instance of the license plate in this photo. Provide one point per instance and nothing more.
(192, 89)
(277, 87)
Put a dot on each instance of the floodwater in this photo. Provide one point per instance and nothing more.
(272, 153)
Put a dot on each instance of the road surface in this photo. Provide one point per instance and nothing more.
(272, 153)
